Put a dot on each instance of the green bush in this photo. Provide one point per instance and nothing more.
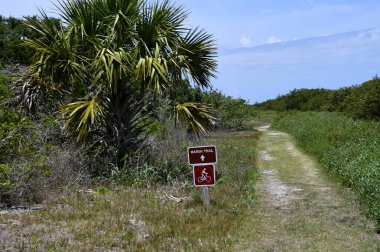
(233, 113)
(364, 101)
(164, 161)
(34, 154)
(12, 48)
(299, 99)
(348, 148)
(4, 181)
(4, 83)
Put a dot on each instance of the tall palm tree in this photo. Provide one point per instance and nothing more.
(106, 61)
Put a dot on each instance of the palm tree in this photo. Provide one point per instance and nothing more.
(108, 59)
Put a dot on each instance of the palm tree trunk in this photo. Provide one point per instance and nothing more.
(125, 124)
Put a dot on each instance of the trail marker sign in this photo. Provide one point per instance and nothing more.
(202, 155)
(203, 158)
(204, 175)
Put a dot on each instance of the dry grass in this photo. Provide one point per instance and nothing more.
(135, 219)
(292, 208)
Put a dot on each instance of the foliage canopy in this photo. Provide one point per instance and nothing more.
(109, 62)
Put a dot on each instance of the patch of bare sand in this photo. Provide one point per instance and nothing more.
(264, 155)
(281, 193)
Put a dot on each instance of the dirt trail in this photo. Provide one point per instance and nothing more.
(299, 208)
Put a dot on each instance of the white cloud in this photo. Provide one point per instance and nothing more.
(273, 39)
(373, 34)
(244, 41)
(317, 62)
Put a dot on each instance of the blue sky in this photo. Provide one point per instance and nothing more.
(269, 47)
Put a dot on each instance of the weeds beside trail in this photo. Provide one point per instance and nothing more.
(136, 219)
(349, 150)
(299, 209)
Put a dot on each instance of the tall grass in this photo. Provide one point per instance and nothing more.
(349, 149)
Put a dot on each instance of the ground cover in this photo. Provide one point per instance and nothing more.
(151, 219)
(348, 149)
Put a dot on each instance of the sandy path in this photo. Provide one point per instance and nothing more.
(299, 208)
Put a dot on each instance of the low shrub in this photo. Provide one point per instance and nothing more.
(35, 157)
(163, 161)
(34, 161)
(233, 113)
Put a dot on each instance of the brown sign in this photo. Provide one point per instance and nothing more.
(202, 155)
(204, 175)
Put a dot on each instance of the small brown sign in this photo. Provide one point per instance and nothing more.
(204, 175)
(202, 155)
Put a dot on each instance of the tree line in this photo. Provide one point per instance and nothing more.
(359, 101)
(13, 34)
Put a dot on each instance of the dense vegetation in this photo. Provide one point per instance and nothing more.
(110, 65)
(34, 154)
(133, 127)
(232, 113)
(149, 219)
(348, 148)
(13, 32)
(361, 101)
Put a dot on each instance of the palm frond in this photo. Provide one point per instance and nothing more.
(199, 118)
(81, 14)
(196, 55)
(113, 67)
(152, 73)
(55, 58)
(27, 93)
(31, 91)
(159, 21)
(44, 26)
(81, 117)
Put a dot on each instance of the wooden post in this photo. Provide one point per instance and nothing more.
(206, 196)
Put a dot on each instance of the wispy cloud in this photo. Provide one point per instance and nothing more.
(347, 38)
(263, 71)
(273, 40)
(245, 42)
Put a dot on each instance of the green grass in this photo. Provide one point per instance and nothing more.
(349, 149)
(298, 208)
(136, 219)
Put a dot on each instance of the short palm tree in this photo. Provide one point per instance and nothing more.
(109, 58)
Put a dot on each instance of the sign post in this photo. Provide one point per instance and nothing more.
(203, 158)
(206, 196)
